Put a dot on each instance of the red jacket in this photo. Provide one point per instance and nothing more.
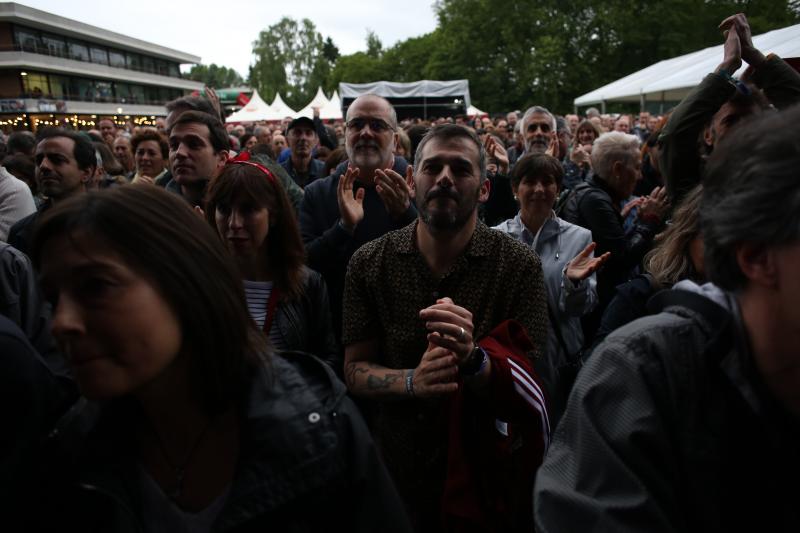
(497, 441)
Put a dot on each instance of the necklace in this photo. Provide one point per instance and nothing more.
(179, 470)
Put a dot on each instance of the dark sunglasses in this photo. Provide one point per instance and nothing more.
(375, 124)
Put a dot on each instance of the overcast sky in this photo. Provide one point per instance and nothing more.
(223, 31)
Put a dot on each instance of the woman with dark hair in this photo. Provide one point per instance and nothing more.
(151, 154)
(251, 213)
(247, 141)
(568, 262)
(187, 423)
(109, 172)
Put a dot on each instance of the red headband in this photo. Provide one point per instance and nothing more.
(244, 159)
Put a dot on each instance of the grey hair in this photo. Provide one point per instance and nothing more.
(533, 110)
(610, 147)
(448, 132)
(258, 129)
(392, 112)
(751, 194)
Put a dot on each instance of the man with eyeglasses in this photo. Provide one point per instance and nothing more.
(365, 198)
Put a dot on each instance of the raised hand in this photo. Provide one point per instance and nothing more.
(497, 151)
(584, 265)
(351, 206)
(579, 156)
(732, 50)
(749, 53)
(552, 149)
(394, 190)
(656, 205)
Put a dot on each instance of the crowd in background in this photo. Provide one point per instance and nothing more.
(532, 320)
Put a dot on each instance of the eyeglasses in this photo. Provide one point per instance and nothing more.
(375, 124)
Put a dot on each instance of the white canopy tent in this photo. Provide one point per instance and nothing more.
(333, 109)
(255, 110)
(473, 111)
(320, 101)
(671, 80)
(280, 109)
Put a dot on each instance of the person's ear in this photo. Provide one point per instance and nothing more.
(708, 136)
(485, 189)
(87, 174)
(757, 263)
(616, 169)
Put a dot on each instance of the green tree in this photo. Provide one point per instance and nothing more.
(374, 45)
(215, 76)
(291, 58)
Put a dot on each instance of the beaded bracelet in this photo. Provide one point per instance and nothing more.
(410, 382)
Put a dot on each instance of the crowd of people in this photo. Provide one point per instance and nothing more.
(513, 323)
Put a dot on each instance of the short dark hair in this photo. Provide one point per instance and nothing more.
(284, 244)
(535, 165)
(83, 152)
(159, 236)
(21, 166)
(751, 193)
(216, 131)
(449, 132)
(192, 103)
(22, 142)
(150, 134)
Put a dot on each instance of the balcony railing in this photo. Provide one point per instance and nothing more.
(55, 52)
(104, 99)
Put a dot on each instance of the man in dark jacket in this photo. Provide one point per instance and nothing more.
(689, 420)
(364, 199)
(720, 104)
(301, 165)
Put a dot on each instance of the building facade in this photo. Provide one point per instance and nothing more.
(58, 71)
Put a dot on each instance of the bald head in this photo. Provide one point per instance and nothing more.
(374, 99)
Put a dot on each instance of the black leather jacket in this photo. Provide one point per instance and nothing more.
(306, 463)
(305, 323)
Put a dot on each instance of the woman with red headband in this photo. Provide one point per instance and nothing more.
(251, 213)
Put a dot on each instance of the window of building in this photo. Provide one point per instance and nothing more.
(27, 40)
(137, 94)
(99, 55)
(148, 64)
(81, 89)
(55, 46)
(162, 68)
(59, 87)
(134, 61)
(35, 85)
(174, 71)
(151, 94)
(116, 58)
(103, 91)
(78, 51)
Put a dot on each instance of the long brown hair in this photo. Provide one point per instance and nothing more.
(669, 261)
(284, 245)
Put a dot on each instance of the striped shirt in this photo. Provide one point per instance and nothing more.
(257, 295)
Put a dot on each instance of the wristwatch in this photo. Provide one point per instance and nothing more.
(475, 362)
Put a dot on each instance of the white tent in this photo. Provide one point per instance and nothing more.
(418, 99)
(319, 101)
(255, 110)
(333, 109)
(671, 80)
(280, 109)
(473, 111)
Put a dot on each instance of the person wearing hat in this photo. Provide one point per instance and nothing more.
(301, 165)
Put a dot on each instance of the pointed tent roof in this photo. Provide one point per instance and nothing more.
(320, 101)
(280, 109)
(473, 111)
(256, 109)
(333, 109)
